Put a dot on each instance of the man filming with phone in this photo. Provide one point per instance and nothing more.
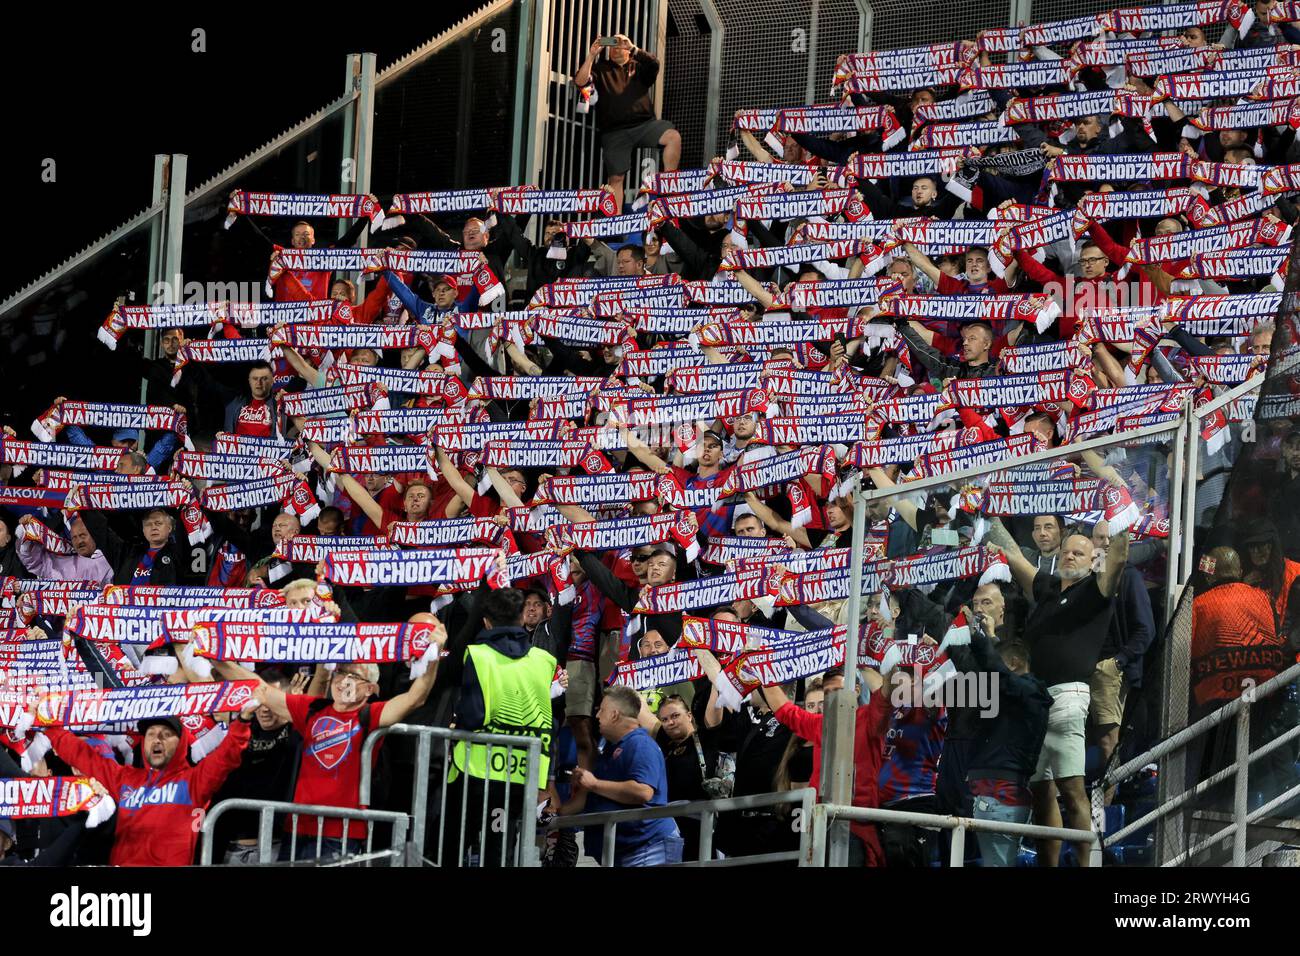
(625, 114)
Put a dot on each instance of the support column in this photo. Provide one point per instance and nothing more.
(841, 707)
(714, 92)
(358, 138)
(165, 282)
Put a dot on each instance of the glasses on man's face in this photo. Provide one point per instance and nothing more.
(1091, 259)
(342, 676)
(642, 557)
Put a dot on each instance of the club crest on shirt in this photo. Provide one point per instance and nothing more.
(331, 740)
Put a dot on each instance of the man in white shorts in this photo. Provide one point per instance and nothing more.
(1065, 633)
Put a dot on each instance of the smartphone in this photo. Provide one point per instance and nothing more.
(608, 41)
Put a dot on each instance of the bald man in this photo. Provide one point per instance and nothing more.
(1065, 633)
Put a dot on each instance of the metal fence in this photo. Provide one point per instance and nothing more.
(355, 822)
(706, 811)
(561, 150)
(470, 815)
(1241, 815)
(827, 813)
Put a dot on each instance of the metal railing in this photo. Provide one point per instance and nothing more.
(812, 825)
(494, 813)
(356, 94)
(707, 811)
(268, 810)
(1239, 772)
(826, 813)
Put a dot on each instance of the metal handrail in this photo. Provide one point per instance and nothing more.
(48, 277)
(267, 810)
(1192, 731)
(302, 127)
(219, 180)
(435, 44)
(1238, 771)
(1252, 384)
(707, 810)
(959, 826)
(1047, 454)
(527, 845)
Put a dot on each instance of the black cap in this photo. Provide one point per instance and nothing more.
(173, 722)
(1259, 531)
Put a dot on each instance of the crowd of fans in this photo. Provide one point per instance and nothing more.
(632, 435)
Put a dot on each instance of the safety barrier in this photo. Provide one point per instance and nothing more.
(268, 810)
(1239, 772)
(811, 824)
(707, 811)
(503, 753)
(827, 813)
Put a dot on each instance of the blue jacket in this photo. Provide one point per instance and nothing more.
(157, 456)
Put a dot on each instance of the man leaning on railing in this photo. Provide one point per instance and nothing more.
(630, 773)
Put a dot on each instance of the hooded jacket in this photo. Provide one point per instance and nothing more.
(514, 643)
(155, 808)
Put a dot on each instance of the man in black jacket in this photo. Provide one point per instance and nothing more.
(495, 776)
(1008, 741)
(976, 348)
(558, 256)
(1132, 630)
(160, 558)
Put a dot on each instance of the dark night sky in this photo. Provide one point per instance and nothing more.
(102, 94)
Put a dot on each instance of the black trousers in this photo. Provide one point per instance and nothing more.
(491, 823)
(907, 845)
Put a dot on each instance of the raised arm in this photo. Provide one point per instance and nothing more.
(713, 712)
(1001, 541)
(774, 522)
(641, 451)
(755, 147)
(396, 709)
(583, 76)
(308, 372)
(454, 478)
(266, 694)
(355, 489)
(755, 288)
(906, 509)
(503, 489)
(922, 261)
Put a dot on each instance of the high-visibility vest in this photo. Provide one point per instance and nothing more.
(1233, 639)
(516, 702)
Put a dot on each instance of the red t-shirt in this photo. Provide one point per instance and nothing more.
(254, 419)
(484, 506)
(330, 771)
(389, 500)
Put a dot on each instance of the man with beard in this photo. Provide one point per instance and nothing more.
(1065, 633)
